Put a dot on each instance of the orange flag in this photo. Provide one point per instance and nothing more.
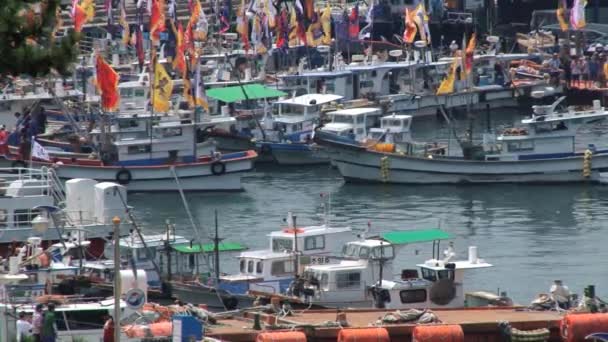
(157, 19)
(409, 34)
(82, 13)
(469, 53)
(107, 82)
(179, 62)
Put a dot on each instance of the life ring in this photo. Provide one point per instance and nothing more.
(230, 303)
(123, 177)
(218, 168)
(18, 164)
(266, 149)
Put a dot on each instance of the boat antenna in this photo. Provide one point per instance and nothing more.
(216, 245)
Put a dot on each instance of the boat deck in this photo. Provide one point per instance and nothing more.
(480, 324)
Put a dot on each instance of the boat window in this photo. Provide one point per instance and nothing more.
(360, 119)
(343, 119)
(3, 217)
(324, 280)
(382, 252)
(242, 266)
(366, 84)
(170, 132)
(374, 73)
(413, 296)
(520, 146)
(24, 217)
(348, 280)
(81, 319)
(364, 253)
(122, 124)
(350, 250)
(146, 253)
(445, 274)
(314, 242)
(250, 266)
(126, 92)
(281, 268)
(136, 149)
(428, 274)
(140, 92)
(280, 245)
(259, 267)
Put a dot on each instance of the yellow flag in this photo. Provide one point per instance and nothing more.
(447, 85)
(162, 89)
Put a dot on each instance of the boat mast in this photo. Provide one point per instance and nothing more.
(216, 251)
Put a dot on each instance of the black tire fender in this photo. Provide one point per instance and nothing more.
(218, 168)
(123, 177)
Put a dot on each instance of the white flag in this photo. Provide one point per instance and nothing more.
(39, 152)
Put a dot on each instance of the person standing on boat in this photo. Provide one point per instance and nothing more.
(24, 328)
(49, 327)
(108, 330)
(37, 322)
(3, 141)
(575, 70)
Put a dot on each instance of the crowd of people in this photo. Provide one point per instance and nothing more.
(586, 71)
(41, 326)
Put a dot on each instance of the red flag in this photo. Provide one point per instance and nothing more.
(469, 53)
(179, 62)
(409, 34)
(139, 47)
(79, 18)
(157, 19)
(353, 23)
(107, 82)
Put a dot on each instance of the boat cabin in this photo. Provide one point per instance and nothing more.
(394, 129)
(546, 133)
(135, 94)
(294, 119)
(353, 123)
(321, 82)
(272, 270)
(438, 285)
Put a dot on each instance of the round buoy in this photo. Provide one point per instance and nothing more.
(364, 335)
(436, 333)
(281, 336)
(575, 327)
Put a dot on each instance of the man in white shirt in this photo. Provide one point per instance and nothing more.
(24, 328)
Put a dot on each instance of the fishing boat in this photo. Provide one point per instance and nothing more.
(34, 202)
(150, 154)
(289, 133)
(268, 271)
(541, 150)
(358, 280)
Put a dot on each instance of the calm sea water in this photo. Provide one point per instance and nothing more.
(532, 234)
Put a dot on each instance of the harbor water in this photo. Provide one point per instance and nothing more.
(533, 234)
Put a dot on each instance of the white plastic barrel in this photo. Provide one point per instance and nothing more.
(473, 254)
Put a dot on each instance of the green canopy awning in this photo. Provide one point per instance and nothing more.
(208, 247)
(235, 94)
(414, 236)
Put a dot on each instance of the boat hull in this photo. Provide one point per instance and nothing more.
(199, 176)
(298, 154)
(357, 164)
(196, 294)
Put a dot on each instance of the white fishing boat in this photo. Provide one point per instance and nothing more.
(149, 154)
(35, 203)
(358, 280)
(270, 271)
(542, 150)
(353, 123)
(288, 133)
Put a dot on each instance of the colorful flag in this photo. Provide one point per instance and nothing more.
(172, 10)
(562, 6)
(353, 22)
(469, 54)
(242, 25)
(314, 34)
(124, 23)
(409, 34)
(38, 151)
(157, 20)
(293, 28)
(139, 47)
(225, 16)
(179, 61)
(366, 31)
(201, 96)
(422, 22)
(107, 83)
(447, 85)
(326, 24)
(108, 7)
(162, 89)
(577, 14)
(257, 34)
(82, 13)
(189, 44)
(300, 22)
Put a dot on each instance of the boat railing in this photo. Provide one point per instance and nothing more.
(31, 182)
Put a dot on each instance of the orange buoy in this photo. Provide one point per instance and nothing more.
(364, 335)
(281, 336)
(438, 333)
(575, 327)
(161, 329)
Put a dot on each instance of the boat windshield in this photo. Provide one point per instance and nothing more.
(282, 244)
(342, 119)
